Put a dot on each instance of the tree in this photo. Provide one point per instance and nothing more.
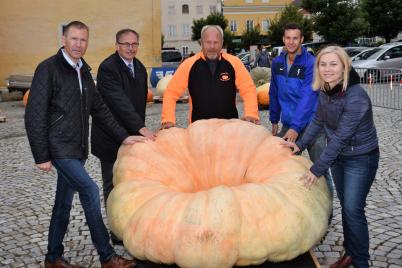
(384, 17)
(338, 21)
(228, 40)
(290, 13)
(212, 19)
(250, 37)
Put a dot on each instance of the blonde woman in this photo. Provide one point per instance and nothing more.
(345, 112)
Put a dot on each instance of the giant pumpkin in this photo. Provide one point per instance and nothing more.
(162, 84)
(263, 94)
(217, 194)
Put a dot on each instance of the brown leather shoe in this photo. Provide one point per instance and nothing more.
(343, 262)
(118, 262)
(60, 263)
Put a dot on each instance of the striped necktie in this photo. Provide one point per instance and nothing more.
(130, 66)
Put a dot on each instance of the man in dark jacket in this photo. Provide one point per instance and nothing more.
(62, 97)
(261, 58)
(122, 82)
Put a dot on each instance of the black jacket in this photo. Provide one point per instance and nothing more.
(126, 98)
(57, 114)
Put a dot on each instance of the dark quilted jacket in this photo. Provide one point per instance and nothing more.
(57, 114)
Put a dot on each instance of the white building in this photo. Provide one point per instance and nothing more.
(177, 19)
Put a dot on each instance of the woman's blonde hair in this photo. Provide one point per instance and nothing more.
(318, 83)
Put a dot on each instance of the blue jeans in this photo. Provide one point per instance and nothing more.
(314, 151)
(353, 177)
(72, 177)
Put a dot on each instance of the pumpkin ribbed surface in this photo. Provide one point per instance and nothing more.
(217, 194)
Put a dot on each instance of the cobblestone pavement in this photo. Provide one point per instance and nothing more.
(26, 198)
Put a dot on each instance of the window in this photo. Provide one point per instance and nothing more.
(185, 9)
(265, 25)
(184, 50)
(186, 30)
(395, 52)
(171, 10)
(233, 26)
(199, 10)
(62, 27)
(172, 30)
(249, 25)
(212, 9)
(249, 1)
(265, 1)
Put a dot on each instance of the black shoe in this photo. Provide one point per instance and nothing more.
(116, 240)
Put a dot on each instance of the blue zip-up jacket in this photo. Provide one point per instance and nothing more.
(292, 99)
(347, 118)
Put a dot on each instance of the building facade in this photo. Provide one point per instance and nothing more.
(177, 19)
(249, 14)
(30, 31)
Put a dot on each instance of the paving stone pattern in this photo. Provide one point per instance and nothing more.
(27, 196)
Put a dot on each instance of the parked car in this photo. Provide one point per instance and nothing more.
(22, 82)
(381, 63)
(364, 54)
(245, 57)
(314, 47)
(352, 51)
(18, 82)
(171, 58)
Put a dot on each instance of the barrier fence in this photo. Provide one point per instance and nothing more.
(384, 86)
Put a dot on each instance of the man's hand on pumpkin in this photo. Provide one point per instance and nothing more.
(133, 139)
(251, 120)
(274, 129)
(147, 133)
(166, 125)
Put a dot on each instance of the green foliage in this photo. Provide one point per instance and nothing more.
(228, 40)
(290, 13)
(384, 17)
(212, 19)
(196, 28)
(250, 37)
(338, 21)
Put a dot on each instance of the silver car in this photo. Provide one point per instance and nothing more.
(380, 64)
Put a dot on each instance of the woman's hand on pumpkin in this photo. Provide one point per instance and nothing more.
(166, 125)
(291, 135)
(147, 133)
(292, 145)
(134, 139)
(309, 179)
(251, 120)
(47, 166)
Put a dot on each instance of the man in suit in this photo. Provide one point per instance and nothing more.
(122, 81)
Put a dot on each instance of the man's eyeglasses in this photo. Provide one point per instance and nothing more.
(128, 45)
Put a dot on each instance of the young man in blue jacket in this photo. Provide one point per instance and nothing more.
(292, 99)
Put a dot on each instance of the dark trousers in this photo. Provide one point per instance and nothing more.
(72, 177)
(107, 177)
(353, 177)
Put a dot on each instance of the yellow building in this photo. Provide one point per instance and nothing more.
(30, 31)
(248, 14)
